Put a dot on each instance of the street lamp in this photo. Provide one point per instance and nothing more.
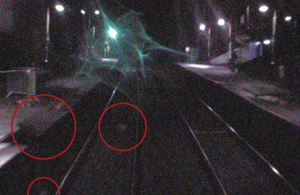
(94, 32)
(221, 22)
(267, 42)
(202, 27)
(112, 33)
(187, 50)
(97, 12)
(288, 18)
(82, 12)
(263, 8)
(59, 8)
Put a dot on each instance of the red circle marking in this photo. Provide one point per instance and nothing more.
(123, 150)
(38, 158)
(40, 179)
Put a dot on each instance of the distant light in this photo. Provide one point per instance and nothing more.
(263, 8)
(288, 18)
(82, 12)
(97, 12)
(199, 66)
(274, 170)
(232, 129)
(112, 33)
(267, 42)
(209, 108)
(202, 27)
(221, 22)
(59, 8)
(257, 43)
(187, 49)
(109, 60)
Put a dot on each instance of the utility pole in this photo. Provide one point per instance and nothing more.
(274, 24)
(47, 35)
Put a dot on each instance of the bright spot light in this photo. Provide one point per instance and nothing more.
(275, 170)
(257, 43)
(82, 12)
(221, 22)
(97, 12)
(202, 27)
(232, 129)
(59, 8)
(199, 66)
(112, 33)
(267, 42)
(187, 49)
(109, 60)
(263, 8)
(288, 18)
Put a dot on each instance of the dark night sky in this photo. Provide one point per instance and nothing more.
(158, 18)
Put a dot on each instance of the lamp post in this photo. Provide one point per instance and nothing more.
(264, 9)
(274, 23)
(209, 44)
(47, 35)
(222, 22)
(230, 41)
(248, 16)
(94, 33)
(202, 28)
(91, 27)
(85, 19)
(187, 50)
(96, 12)
(59, 8)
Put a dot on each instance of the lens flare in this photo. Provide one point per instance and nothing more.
(120, 44)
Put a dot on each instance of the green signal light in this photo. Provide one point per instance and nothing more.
(112, 33)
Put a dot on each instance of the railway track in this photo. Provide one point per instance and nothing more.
(189, 149)
(21, 170)
(143, 170)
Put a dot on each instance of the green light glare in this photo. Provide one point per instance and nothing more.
(112, 33)
(124, 41)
